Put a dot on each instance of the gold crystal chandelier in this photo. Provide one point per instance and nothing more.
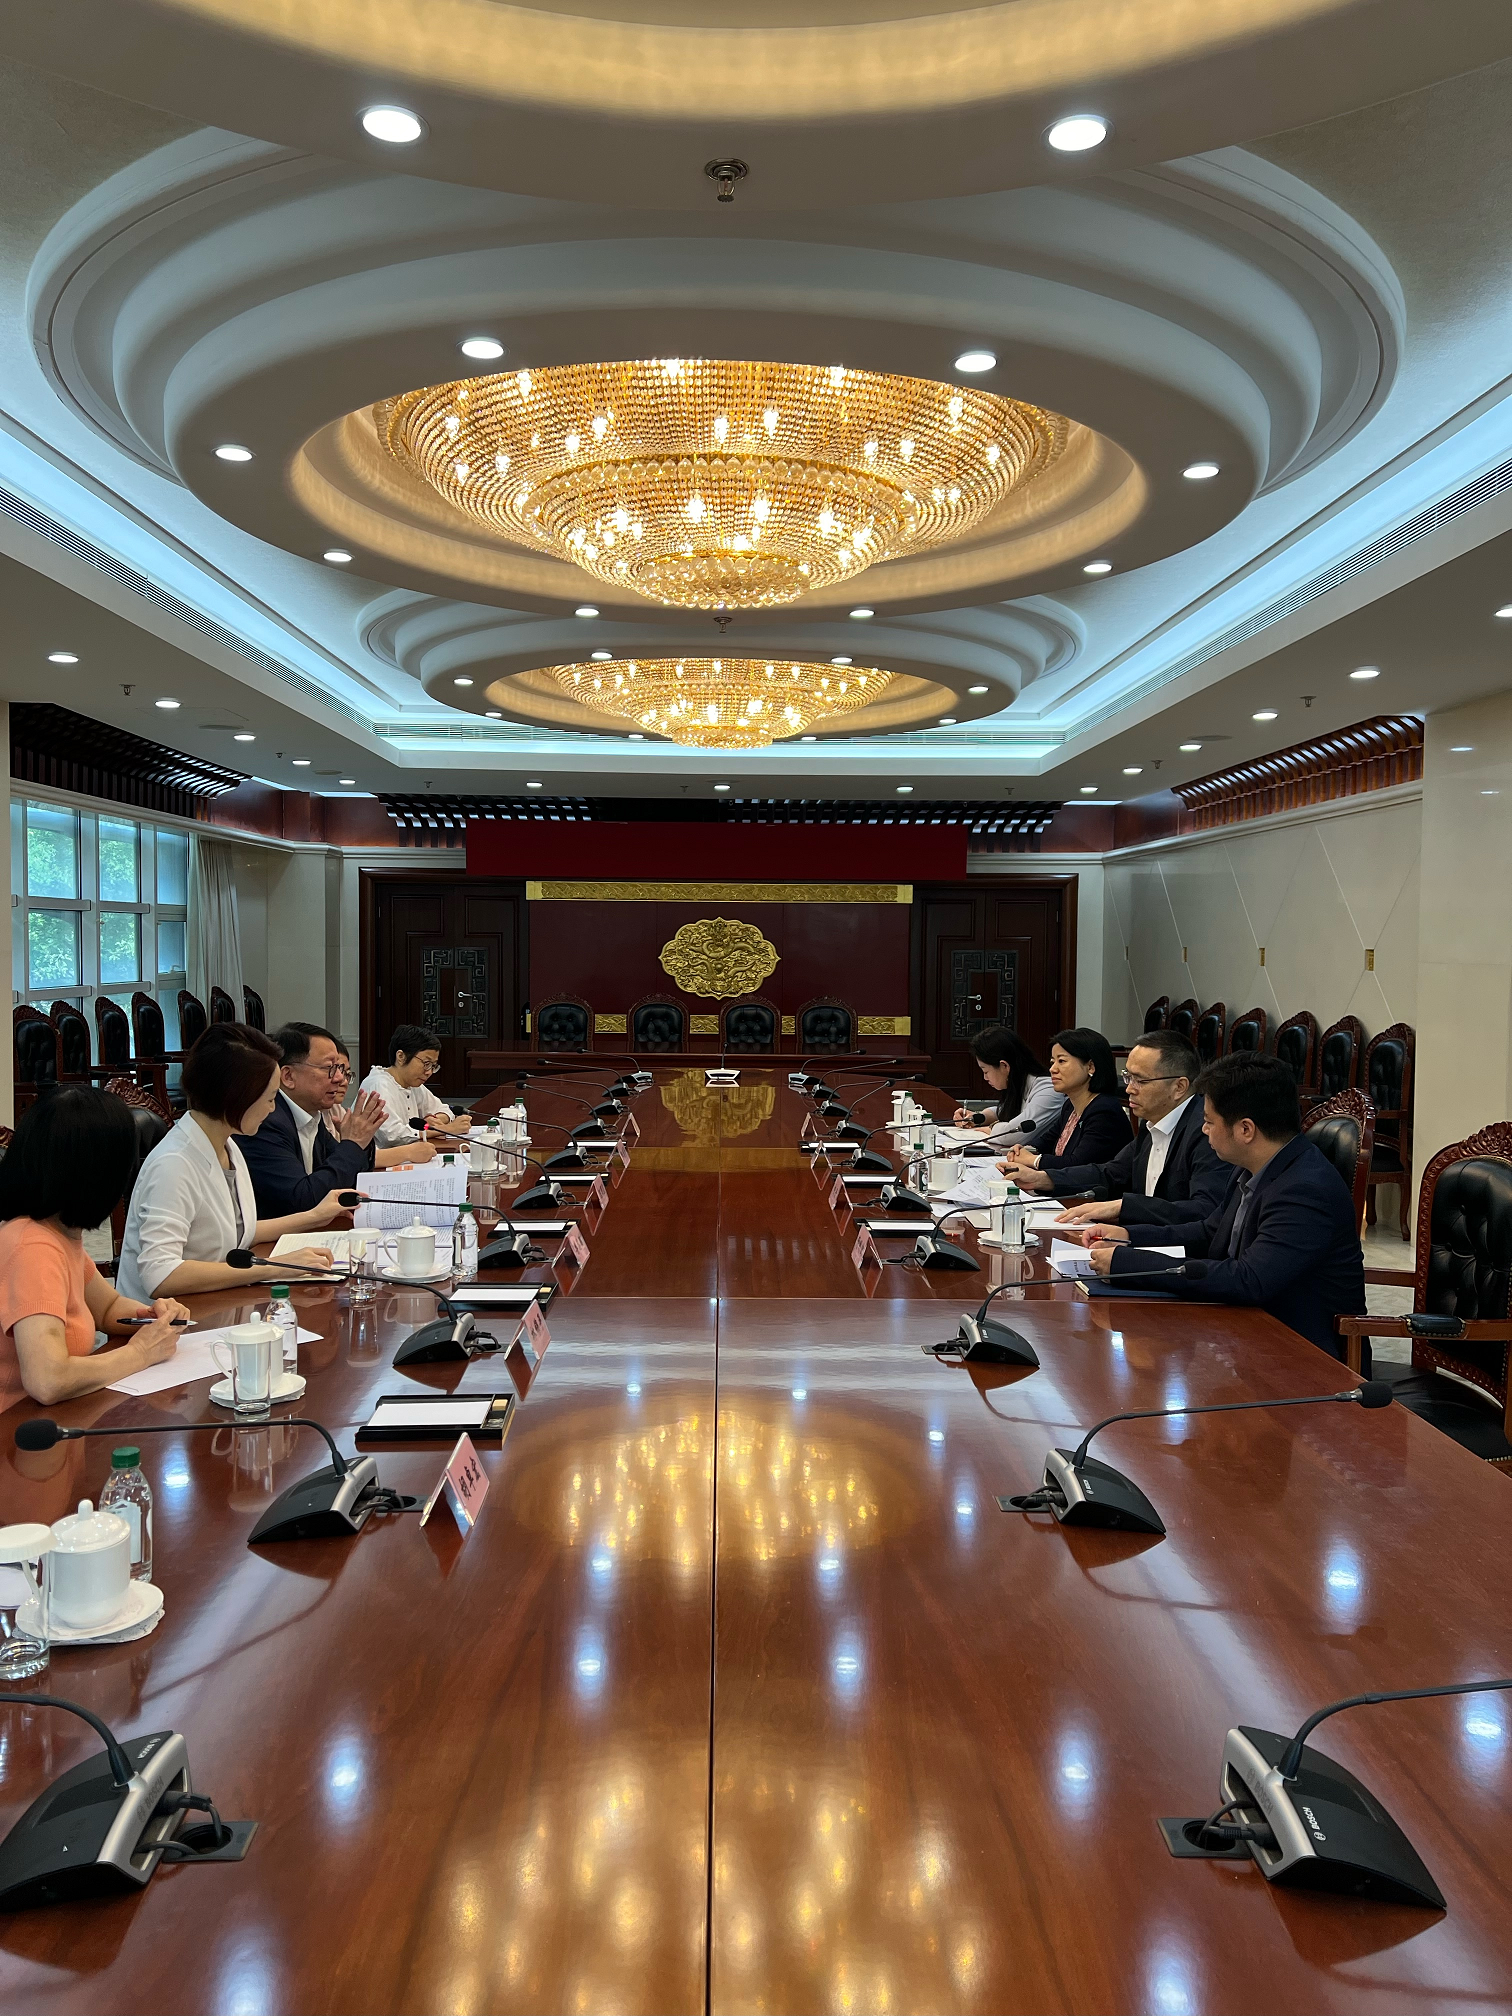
(715, 485)
(721, 703)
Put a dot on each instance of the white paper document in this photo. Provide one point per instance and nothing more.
(192, 1360)
(1072, 1260)
(430, 1192)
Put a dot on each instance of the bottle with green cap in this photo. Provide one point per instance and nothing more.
(128, 1494)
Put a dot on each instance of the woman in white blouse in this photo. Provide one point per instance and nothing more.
(1025, 1093)
(193, 1201)
(414, 1057)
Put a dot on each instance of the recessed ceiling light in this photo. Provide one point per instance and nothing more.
(338, 556)
(1366, 672)
(585, 609)
(808, 738)
(976, 689)
(637, 738)
(1265, 714)
(232, 451)
(1190, 748)
(62, 658)
(842, 661)
(244, 737)
(1461, 748)
(601, 655)
(862, 615)
(1086, 788)
(1490, 794)
(346, 780)
(1077, 132)
(904, 789)
(1098, 567)
(301, 762)
(494, 714)
(1505, 612)
(461, 681)
(534, 784)
(976, 360)
(393, 124)
(1200, 472)
(1133, 769)
(721, 787)
(165, 703)
(484, 348)
(947, 721)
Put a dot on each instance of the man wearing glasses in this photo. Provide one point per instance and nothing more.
(311, 1142)
(1168, 1172)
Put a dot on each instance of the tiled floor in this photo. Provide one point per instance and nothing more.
(1385, 1247)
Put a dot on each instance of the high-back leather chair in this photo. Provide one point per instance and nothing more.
(148, 1054)
(193, 1021)
(75, 1051)
(1344, 1129)
(657, 1023)
(825, 1025)
(1461, 1320)
(1246, 1036)
(1157, 1015)
(114, 1033)
(1209, 1032)
(749, 1025)
(38, 1054)
(1184, 1018)
(257, 1017)
(1387, 1076)
(1297, 1047)
(1339, 1052)
(563, 1024)
(222, 1007)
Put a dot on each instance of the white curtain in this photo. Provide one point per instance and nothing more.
(215, 957)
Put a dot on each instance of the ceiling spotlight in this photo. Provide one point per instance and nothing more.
(170, 704)
(862, 615)
(1200, 472)
(976, 689)
(585, 609)
(484, 348)
(1077, 132)
(460, 681)
(1133, 769)
(338, 556)
(842, 661)
(346, 780)
(1461, 748)
(1366, 672)
(534, 784)
(1505, 612)
(232, 451)
(947, 721)
(244, 736)
(301, 762)
(1098, 567)
(62, 658)
(603, 654)
(1490, 794)
(392, 124)
(1190, 748)
(976, 360)
(721, 787)
(904, 789)
(637, 738)
(808, 738)
(494, 714)
(1087, 788)
(1265, 714)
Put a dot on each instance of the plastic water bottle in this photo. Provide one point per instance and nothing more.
(281, 1314)
(465, 1243)
(128, 1494)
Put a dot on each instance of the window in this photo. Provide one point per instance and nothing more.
(101, 908)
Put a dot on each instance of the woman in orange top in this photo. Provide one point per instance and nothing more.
(67, 1167)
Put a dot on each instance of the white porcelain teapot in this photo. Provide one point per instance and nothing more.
(91, 1567)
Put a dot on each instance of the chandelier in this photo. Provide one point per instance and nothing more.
(714, 485)
(720, 703)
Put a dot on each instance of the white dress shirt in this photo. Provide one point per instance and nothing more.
(1160, 1132)
(404, 1103)
(307, 1125)
(182, 1209)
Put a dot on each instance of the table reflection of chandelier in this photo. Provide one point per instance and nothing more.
(721, 703)
(711, 485)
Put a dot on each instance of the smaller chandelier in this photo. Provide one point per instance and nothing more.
(721, 703)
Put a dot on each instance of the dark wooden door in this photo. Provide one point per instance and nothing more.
(985, 955)
(446, 952)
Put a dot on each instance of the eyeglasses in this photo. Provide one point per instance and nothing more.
(1166, 1078)
(337, 1070)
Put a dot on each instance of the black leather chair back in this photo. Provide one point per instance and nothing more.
(1388, 1065)
(656, 1025)
(562, 1025)
(36, 1049)
(751, 1026)
(1470, 1267)
(1209, 1037)
(1339, 1139)
(1336, 1063)
(1244, 1037)
(151, 1031)
(256, 1015)
(1184, 1021)
(1291, 1048)
(222, 1007)
(73, 1037)
(114, 1033)
(1155, 1014)
(193, 1021)
(826, 1027)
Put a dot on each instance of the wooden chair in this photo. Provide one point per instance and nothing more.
(76, 1050)
(37, 1053)
(1387, 1075)
(153, 1122)
(139, 1046)
(1340, 1049)
(748, 1025)
(222, 1007)
(141, 1098)
(1297, 1047)
(1157, 1015)
(1208, 1035)
(1183, 1018)
(563, 1024)
(1461, 1320)
(657, 1022)
(252, 1001)
(193, 1021)
(1344, 1128)
(1246, 1036)
(826, 1024)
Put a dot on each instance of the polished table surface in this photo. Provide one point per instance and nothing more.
(744, 1695)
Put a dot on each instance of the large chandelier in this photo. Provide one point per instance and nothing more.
(720, 703)
(714, 485)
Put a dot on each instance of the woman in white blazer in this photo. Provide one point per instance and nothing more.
(193, 1201)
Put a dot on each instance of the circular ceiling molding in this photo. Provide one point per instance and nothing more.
(622, 101)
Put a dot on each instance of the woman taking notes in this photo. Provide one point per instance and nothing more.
(1025, 1093)
(193, 1201)
(71, 1159)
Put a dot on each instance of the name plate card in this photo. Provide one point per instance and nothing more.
(632, 1128)
(575, 1246)
(533, 1335)
(463, 1483)
(619, 1162)
(839, 1197)
(864, 1249)
(598, 1194)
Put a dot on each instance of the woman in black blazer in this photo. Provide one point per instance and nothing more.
(1091, 1123)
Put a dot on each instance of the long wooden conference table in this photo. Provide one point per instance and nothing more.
(744, 1695)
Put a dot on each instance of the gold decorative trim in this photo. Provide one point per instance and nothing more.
(719, 892)
(608, 1025)
(703, 1025)
(790, 1025)
(884, 1025)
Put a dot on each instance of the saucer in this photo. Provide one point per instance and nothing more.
(397, 1273)
(139, 1614)
(287, 1386)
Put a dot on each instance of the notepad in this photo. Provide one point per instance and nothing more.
(1070, 1261)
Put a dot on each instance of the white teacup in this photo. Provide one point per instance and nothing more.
(415, 1249)
(249, 1349)
(997, 1189)
(90, 1567)
(944, 1172)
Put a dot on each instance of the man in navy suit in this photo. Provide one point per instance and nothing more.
(297, 1155)
(1168, 1174)
(1285, 1239)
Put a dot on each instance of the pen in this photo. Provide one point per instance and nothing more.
(176, 1322)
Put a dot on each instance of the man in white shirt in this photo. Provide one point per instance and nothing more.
(402, 1085)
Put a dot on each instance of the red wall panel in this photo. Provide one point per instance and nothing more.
(676, 852)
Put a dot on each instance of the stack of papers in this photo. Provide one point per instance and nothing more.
(193, 1360)
(1071, 1261)
(430, 1192)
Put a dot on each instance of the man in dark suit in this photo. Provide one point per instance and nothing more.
(298, 1154)
(1285, 1239)
(1168, 1173)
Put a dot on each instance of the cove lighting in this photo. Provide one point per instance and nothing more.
(393, 124)
(1366, 672)
(976, 689)
(244, 737)
(1133, 769)
(62, 658)
(337, 556)
(1265, 714)
(1200, 472)
(1077, 132)
(585, 609)
(1190, 748)
(484, 348)
(165, 703)
(976, 360)
(232, 451)
(1098, 567)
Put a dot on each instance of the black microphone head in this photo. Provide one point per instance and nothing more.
(1375, 1393)
(418, 1126)
(38, 1434)
(240, 1257)
(349, 1201)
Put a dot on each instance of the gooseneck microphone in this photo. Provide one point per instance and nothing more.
(981, 1340)
(863, 1160)
(607, 1108)
(934, 1252)
(1080, 1491)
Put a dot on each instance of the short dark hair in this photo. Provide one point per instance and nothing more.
(1176, 1052)
(1093, 1048)
(412, 1038)
(72, 1156)
(226, 1071)
(294, 1040)
(1261, 1089)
